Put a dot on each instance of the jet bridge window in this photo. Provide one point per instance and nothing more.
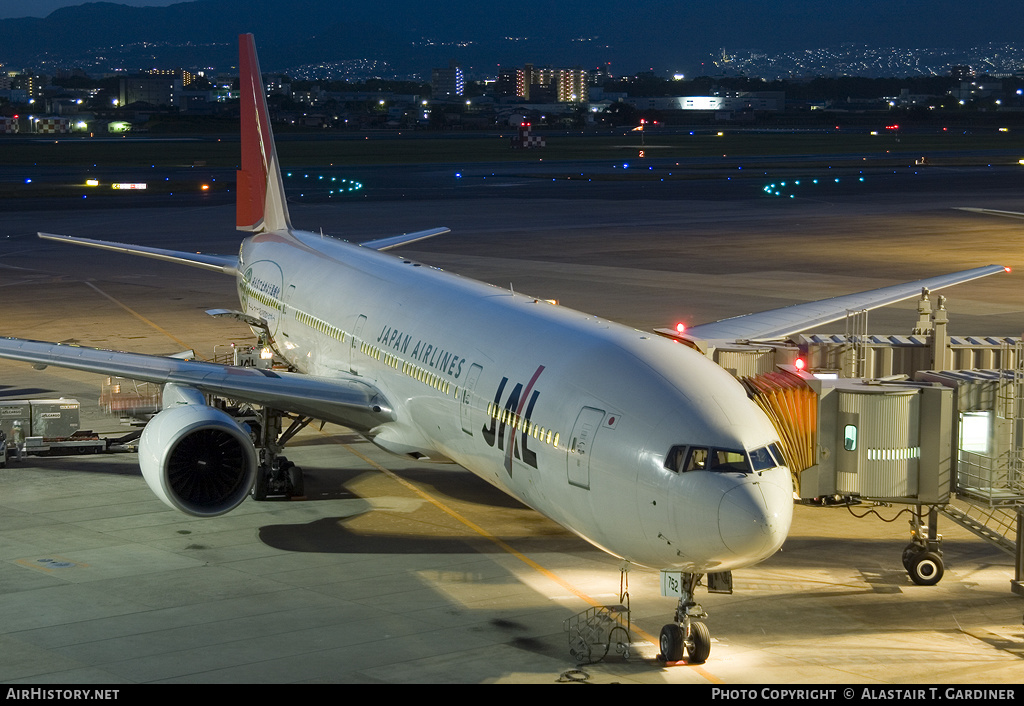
(850, 437)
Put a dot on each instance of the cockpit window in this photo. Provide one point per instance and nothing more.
(686, 458)
(724, 460)
(761, 459)
(675, 458)
(682, 459)
(697, 460)
(776, 450)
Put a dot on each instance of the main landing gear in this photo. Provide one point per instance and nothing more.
(922, 558)
(686, 634)
(276, 475)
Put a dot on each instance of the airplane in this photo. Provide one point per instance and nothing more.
(638, 444)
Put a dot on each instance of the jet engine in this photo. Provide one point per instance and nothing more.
(197, 459)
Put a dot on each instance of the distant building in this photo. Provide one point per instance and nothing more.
(962, 73)
(743, 101)
(545, 85)
(187, 77)
(31, 84)
(448, 83)
(277, 85)
(974, 90)
(156, 90)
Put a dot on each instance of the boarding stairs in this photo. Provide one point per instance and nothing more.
(996, 525)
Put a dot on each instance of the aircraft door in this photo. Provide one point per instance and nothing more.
(581, 443)
(465, 406)
(355, 341)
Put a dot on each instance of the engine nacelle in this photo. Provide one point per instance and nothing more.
(197, 459)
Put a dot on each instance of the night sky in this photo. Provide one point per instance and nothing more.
(662, 31)
(42, 8)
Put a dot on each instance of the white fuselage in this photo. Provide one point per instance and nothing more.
(570, 414)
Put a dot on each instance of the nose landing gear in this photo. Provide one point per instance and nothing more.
(686, 635)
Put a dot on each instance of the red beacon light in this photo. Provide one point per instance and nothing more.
(680, 327)
(799, 364)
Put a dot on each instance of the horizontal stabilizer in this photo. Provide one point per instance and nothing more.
(227, 264)
(239, 316)
(396, 240)
(779, 323)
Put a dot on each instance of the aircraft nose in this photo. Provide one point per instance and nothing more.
(754, 518)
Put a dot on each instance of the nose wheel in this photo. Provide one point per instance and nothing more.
(687, 635)
(674, 642)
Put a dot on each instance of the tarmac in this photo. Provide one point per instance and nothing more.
(394, 572)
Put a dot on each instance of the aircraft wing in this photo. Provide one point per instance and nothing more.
(993, 212)
(396, 240)
(779, 323)
(346, 401)
(227, 264)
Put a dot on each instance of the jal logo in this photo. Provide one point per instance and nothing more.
(512, 419)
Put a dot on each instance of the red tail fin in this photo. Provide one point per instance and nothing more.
(260, 199)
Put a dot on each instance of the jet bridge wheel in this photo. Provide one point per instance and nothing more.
(909, 552)
(925, 568)
(922, 558)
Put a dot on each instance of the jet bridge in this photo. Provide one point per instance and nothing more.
(927, 420)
